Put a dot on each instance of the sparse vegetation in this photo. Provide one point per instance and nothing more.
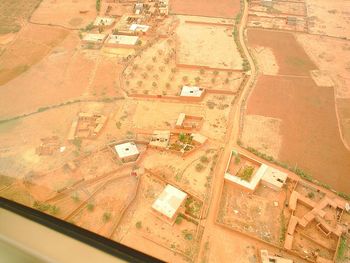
(90, 207)
(199, 167)
(106, 217)
(138, 224)
(342, 248)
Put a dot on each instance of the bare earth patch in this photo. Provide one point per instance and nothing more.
(321, 78)
(267, 60)
(263, 134)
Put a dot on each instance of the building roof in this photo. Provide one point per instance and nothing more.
(126, 149)
(122, 40)
(103, 21)
(191, 91)
(160, 139)
(253, 182)
(169, 201)
(138, 27)
(98, 38)
(180, 119)
(288, 243)
(292, 224)
(274, 177)
(199, 138)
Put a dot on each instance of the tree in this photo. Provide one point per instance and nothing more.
(202, 71)
(154, 59)
(197, 79)
(156, 76)
(154, 84)
(167, 85)
(185, 78)
(139, 83)
(115, 31)
(145, 75)
(213, 80)
(227, 81)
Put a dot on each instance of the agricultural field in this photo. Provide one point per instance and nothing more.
(309, 127)
(14, 13)
(70, 14)
(207, 45)
(222, 8)
(289, 54)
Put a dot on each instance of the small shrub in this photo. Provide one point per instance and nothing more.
(90, 207)
(178, 219)
(199, 167)
(204, 159)
(106, 217)
(138, 224)
(311, 195)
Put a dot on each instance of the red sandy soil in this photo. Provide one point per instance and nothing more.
(310, 131)
(221, 8)
(290, 56)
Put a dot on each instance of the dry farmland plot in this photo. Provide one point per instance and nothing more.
(154, 71)
(31, 45)
(65, 13)
(65, 74)
(290, 56)
(309, 128)
(221, 8)
(207, 45)
(14, 13)
(330, 18)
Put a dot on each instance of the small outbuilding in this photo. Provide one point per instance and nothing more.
(104, 22)
(191, 92)
(122, 41)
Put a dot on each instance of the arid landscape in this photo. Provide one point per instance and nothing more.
(192, 131)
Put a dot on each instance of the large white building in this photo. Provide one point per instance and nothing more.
(191, 91)
(168, 203)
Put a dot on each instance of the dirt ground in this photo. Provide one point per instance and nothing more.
(66, 13)
(207, 45)
(344, 118)
(221, 8)
(252, 214)
(267, 60)
(309, 128)
(329, 18)
(290, 56)
(263, 134)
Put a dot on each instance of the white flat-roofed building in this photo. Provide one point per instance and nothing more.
(94, 38)
(274, 178)
(168, 203)
(127, 152)
(139, 28)
(191, 92)
(104, 21)
(122, 40)
(198, 139)
(160, 139)
(180, 120)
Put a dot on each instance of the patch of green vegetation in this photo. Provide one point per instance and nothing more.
(185, 138)
(193, 207)
(138, 224)
(246, 173)
(179, 219)
(98, 5)
(199, 167)
(342, 248)
(106, 217)
(283, 229)
(90, 207)
(204, 159)
(237, 159)
(43, 207)
(75, 197)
